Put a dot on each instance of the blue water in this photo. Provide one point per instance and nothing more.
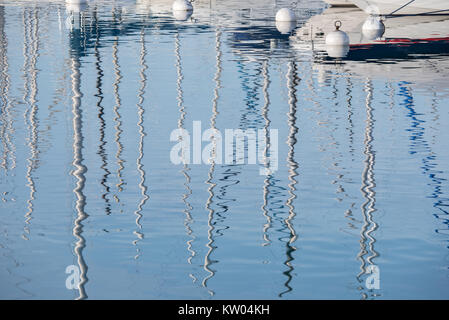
(86, 111)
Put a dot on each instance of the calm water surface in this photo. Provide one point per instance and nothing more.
(89, 97)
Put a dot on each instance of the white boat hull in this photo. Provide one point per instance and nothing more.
(386, 7)
(340, 3)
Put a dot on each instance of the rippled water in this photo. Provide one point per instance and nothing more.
(90, 96)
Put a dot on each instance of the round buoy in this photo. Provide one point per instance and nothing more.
(337, 51)
(285, 27)
(285, 14)
(142, 7)
(75, 1)
(182, 15)
(182, 5)
(337, 42)
(373, 28)
(337, 37)
(75, 6)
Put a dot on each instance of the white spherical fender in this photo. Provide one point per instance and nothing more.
(337, 42)
(337, 51)
(75, 1)
(182, 5)
(373, 28)
(285, 27)
(337, 37)
(285, 14)
(75, 6)
(182, 15)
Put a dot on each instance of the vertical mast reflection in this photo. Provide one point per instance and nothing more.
(420, 146)
(213, 121)
(118, 117)
(351, 227)
(367, 239)
(292, 83)
(79, 174)
(268, 178)
(30, 115)
(79, 168)
(188, 191)
(8, 161)
(140, 168)
(101, 147)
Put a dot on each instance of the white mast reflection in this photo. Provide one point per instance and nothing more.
(367, 239)
(188, 191)
(292, 82)
(8, 161)
(78, 173)
(140, 168)
(268, 178)
(79, 168)
(213, 121)
(102, 125)
(118, 117)
(30, 95)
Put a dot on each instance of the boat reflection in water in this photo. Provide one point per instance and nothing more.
(417, 42)
(411, 51)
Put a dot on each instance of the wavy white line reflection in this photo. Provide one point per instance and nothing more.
(367, 239)
(140, 168)
(211, 185)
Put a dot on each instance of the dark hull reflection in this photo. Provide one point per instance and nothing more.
(398, 49)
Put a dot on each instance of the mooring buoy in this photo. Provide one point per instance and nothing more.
(182, 5)
(285, 14)
(285, 27)
(373, 28)
(337, 42)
